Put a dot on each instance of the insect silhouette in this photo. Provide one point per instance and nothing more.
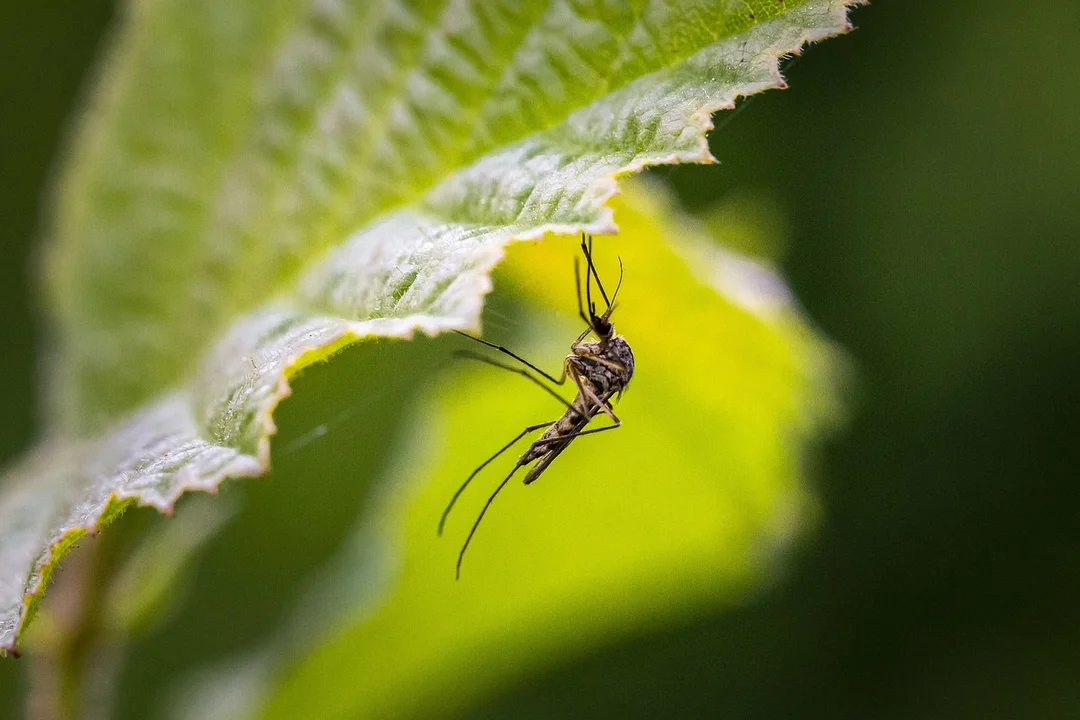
(600, 369)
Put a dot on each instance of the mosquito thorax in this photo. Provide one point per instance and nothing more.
(615, 373)
(619, 351)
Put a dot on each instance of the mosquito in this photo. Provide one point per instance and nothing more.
(600, 369)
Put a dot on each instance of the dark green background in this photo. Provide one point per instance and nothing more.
(929, 165)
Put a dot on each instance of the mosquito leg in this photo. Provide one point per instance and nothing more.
(592, 267)
(581, 337)
(461, 555)
(514, 355)
(580, 307)
(579, 348)
(518, 371)
(450, 505)
(582, 350)
(570, 436)
(599, 403)
(616, 366)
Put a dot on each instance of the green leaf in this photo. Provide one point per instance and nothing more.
(257, 185)
(690, 504)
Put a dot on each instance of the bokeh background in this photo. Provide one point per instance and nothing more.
(926, 170)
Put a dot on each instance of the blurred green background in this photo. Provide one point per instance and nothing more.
(928, 166)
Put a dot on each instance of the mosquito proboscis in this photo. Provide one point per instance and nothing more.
(600, 369)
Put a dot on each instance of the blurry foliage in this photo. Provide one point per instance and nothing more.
(927, 170)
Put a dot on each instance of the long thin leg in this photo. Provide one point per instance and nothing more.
(580, 307)
(461, 555)
(557, 445)
(602, 404)
(450, 505)
(592, 267)
(588, 280)
(616, 366)
(517, 371)
(514, 355)
(599, 403)
(569, 436)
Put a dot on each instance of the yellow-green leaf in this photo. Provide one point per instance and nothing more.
(690, 503)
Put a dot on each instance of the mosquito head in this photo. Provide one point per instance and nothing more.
(598, 322)
(603, 328)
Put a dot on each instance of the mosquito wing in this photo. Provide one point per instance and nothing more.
(546, 459)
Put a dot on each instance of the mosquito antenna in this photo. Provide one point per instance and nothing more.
(461, 555)
(615, 295)
(588, 278)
